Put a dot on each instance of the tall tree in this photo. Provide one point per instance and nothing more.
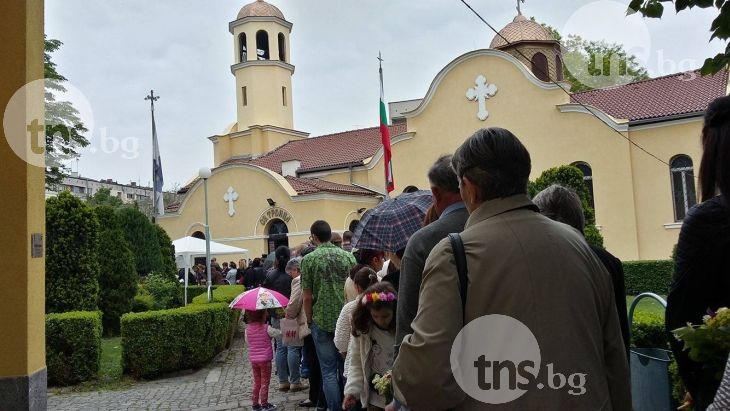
(167, 253)
(591, 64)
(117, 272)
(64, 128)
(71, 262)
(142, 240)
(720, 27)
(103, 197)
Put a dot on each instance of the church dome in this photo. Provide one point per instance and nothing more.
(521, 29)
(260, 8)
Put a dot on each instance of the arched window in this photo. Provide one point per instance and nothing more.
(540, 67)
(243, 54)
(282, 47)
(587, 179)
(198, 234)
(558, 68)
(683, 185)
(262, 45)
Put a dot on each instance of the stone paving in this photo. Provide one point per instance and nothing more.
(225, 384)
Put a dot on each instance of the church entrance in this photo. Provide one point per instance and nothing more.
(277, 232)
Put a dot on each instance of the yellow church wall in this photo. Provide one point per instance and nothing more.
(553, 138)
(221, 149)
(264, 102)
(658, 231)
(22, 299)
(247, 227)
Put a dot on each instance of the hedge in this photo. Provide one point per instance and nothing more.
(156, 342)
(73, 346)
(648, 276)
(221, 294)
(647, 331)
(194, 291)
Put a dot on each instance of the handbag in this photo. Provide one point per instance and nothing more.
(290, 333)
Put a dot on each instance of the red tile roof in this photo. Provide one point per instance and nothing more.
(324, 152)
(672, 95)
(321, 153)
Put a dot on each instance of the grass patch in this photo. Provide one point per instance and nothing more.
(647, 305)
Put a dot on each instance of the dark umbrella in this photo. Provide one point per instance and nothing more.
(389, 225)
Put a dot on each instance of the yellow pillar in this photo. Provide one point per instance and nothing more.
(22, 210)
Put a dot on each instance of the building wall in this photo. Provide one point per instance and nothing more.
(247, 227)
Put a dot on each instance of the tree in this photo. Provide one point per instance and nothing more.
(167, 253)
(117, 272)
(591, 64)
(142, 240)
(103, 197)
(720, 27)
(71, 262)
(64, 129)
(571, 177)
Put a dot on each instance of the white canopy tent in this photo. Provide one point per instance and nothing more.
(187, 248)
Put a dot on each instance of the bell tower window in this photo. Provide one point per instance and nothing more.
(262, 45)
(540, 67)
(559, 68)
(282, 48)
(242, 47)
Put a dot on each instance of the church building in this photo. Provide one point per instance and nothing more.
(270, 182)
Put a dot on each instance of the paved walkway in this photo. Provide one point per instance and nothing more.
(225, 384)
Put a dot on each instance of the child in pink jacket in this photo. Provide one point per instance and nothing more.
(260, 354)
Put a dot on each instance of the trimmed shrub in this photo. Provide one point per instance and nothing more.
(157, 342)
(71, 263)
(194, 291)
(143, 302)
(73, 346)
(117, 273)
(648, 276)
(647, 331)
(221, 294)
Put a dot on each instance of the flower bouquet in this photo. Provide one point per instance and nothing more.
(384, 386)
(708, 343)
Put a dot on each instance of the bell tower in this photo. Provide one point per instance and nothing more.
(262, 67)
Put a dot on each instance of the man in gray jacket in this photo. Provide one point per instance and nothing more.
(561, 348)
(452, 217)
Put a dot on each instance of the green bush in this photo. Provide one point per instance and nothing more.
(117, 273)
(221, 294)
(647, 331)
(142, 240)
(167, 253)
(648, 276)
(157, 342)
(193, 291)
(143, 302)
(73, 346)
(71, 263)
(164, 291)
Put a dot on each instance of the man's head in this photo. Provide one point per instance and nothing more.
(491, 164)
(320, 232)
(347, 236)
(561, 204)
(336, 239)
(444, 184)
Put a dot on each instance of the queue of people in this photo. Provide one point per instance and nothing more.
(525, 259)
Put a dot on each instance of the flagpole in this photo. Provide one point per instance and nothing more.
(152, 98)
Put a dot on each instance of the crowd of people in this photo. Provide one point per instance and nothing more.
(369, 313)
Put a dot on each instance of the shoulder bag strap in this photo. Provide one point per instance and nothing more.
(460, 256)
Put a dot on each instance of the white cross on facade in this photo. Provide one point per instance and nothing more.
(230, 196)
(481, 92)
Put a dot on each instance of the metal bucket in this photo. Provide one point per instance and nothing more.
(651, 384)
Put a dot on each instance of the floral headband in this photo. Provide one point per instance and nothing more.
(375, 297)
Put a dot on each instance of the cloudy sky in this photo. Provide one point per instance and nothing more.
(114, 52)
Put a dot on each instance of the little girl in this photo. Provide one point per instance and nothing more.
(371, 349)
(260, 354)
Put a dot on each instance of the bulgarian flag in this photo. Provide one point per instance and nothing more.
(385, 137)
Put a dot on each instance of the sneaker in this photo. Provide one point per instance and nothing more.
(256, 407)
(283, 386)
(268, 407)
(297, 387)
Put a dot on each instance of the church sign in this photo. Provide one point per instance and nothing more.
(275, 212)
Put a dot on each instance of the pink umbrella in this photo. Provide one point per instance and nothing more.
(259, 298)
